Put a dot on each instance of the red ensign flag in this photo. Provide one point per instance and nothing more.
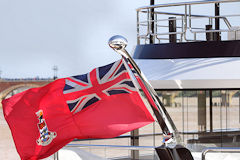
(101, 104)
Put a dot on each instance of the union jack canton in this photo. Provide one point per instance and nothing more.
(84, 90)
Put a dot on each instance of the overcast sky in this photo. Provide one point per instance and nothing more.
(35, 35)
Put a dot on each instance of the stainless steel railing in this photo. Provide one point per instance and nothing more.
(150, 148)
(219, 149)
(194, 134)
(151, 22)
(186, 3)
(118, 147)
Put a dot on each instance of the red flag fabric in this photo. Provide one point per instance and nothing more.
(101, 104)
(143, 87)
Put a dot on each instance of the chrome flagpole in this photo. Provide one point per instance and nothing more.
(118, 44)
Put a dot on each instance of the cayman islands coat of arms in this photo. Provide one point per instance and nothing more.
(46, 136)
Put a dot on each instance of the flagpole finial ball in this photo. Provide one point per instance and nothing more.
(117, 42)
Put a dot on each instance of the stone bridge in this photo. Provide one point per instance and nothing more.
(7, 86)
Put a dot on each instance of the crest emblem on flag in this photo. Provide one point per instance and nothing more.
(46, 136)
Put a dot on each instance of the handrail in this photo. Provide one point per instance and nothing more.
(185, 32)
(219, 149)
(214, 132)
(122, 136)
(121, 147)
(185, 3)
(204, 152)
(220, 17)
(112, 146)
(176, 14)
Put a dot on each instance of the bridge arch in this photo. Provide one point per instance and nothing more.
(5, 92)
